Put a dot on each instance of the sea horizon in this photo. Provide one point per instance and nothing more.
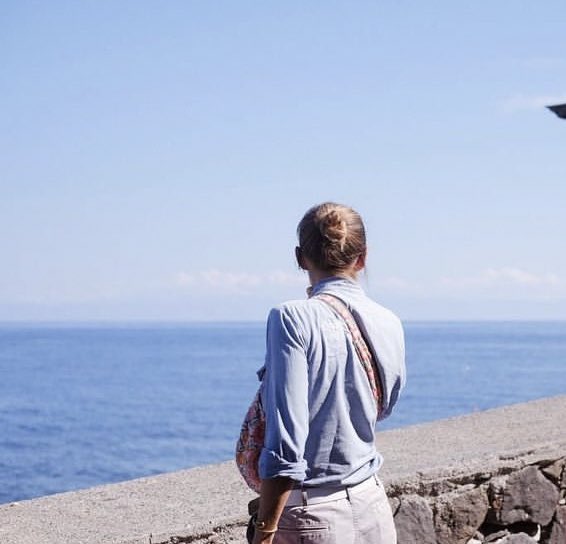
(229, 322)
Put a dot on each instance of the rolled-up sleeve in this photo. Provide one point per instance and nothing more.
(285, 399)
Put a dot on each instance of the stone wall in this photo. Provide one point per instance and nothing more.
(522, 505)
(493, 476)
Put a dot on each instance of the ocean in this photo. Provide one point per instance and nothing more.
(87, 404)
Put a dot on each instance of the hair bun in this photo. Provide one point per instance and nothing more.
(334, 228)
(332, 236)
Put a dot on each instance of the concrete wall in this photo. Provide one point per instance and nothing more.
(494, 476)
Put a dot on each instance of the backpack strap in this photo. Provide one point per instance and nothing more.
(364, 354)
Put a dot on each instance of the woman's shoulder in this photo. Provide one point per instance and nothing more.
(299, 315)
(296, 310)
(384, 313)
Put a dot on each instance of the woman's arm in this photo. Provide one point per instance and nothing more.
(273, 497)
(284, 397)
(285, 402)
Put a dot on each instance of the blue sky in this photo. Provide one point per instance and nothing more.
(157, 156)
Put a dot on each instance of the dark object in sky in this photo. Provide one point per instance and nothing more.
(559, 109)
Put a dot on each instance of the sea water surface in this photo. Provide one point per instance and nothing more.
(82, 405)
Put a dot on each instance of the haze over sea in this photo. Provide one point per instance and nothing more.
(82, 405)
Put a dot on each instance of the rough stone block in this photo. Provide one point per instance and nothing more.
(457, 516)
(519, 538)
(497, 536)
(558, 531)
(496, 490)
(394, 502)
(528, 496)
(555, 470)
(414, 521)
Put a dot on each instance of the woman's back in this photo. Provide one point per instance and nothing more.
(340, 413)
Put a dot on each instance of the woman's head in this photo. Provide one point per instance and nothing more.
(332, 237)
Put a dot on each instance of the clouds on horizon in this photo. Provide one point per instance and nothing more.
(507, 280)
(217, 295)
(233, 281)
(504, 277)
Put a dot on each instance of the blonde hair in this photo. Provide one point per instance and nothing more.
(332, 236)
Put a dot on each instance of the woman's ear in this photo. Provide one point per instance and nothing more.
(300, 258)
(360, 262)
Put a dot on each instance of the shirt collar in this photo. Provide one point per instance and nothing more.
(335, 282)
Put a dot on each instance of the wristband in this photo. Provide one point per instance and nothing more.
(261, 526)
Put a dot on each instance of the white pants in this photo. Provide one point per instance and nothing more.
(363, 517)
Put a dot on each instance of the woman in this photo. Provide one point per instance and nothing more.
(319, 462)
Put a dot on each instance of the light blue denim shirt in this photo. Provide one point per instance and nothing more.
(320, 411)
